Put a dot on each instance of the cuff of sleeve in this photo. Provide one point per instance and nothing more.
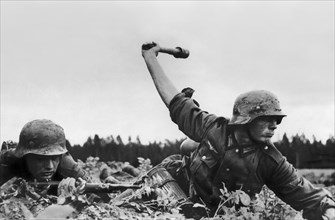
(185, 93)
(175, 99)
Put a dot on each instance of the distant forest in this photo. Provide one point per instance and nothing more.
(298, 150)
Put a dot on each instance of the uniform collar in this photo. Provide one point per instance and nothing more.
(243, 149)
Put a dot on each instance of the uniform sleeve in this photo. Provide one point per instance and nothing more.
(191, 120)
(69, 168)
(7, 157)
(293, 189)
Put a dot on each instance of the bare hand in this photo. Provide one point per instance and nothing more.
(111, 179)
(150, 48)
(68, 187)
(329, 214)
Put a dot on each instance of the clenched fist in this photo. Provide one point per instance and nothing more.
(150, 48)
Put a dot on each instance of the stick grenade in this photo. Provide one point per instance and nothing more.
(177, 52)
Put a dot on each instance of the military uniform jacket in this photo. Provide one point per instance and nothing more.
(219, 159)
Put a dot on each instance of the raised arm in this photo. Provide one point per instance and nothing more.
(164, 86)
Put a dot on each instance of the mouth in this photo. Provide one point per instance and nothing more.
(46, 175)
(269, 135)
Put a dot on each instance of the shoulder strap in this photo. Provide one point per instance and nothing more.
(271, 150)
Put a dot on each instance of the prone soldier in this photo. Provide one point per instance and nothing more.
(41, 156)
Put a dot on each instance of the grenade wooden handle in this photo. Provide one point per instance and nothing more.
(177, 52)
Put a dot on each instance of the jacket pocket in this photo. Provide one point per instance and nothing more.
(202, 164)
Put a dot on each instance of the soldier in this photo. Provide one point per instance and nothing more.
(41, 156)
(237, 152)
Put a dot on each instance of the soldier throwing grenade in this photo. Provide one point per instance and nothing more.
(237, 152)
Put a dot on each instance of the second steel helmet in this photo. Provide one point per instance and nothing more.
(42, 137)
(253, 104)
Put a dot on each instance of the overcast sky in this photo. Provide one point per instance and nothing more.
(79, 63)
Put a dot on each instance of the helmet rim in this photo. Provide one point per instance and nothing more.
(41, 137)
(253, 104)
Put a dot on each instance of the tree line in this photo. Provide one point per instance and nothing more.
(115, 149)
(298, 150)
(303, 153)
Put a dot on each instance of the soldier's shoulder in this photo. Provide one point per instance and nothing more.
(271, 152)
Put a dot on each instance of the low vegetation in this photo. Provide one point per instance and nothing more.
(22, 201)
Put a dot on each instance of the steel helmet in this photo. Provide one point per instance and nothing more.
(42, 137)
(253, 104)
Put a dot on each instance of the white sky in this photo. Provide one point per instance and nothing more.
(79, 63)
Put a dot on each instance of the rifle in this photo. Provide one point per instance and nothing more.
(93, 187)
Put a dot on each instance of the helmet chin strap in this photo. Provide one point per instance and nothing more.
(249, 133)
(243, 136)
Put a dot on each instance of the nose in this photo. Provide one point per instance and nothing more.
(48, 164)
(273, 124)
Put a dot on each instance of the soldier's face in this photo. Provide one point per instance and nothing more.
(42, 167)
(262, 128)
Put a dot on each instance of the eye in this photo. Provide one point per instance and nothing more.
(55, 158)
(39, 159)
